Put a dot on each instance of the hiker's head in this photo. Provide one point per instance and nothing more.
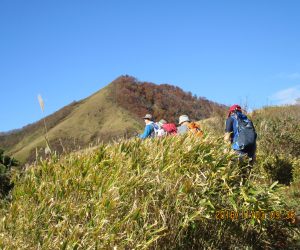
(147, 118)
(162, 122)
(234, 108)
(184, 119)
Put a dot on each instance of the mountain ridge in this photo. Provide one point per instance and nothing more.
(112, 112)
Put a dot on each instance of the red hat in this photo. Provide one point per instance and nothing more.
(234, 108)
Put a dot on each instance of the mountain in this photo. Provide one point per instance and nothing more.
(112, 112)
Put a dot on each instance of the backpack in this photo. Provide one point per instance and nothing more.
(170, 128)
(195, 129)
(158, 131)
(245, 137)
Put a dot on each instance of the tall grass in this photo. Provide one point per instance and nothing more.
(152, 194)
(42, 106)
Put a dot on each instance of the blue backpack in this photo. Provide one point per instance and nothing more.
(244, 132)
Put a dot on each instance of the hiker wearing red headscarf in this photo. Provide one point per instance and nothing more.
(240, 132)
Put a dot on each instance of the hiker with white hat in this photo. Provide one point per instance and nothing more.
(160, 132)
(149, 128)
(184, 121)
(187, 126)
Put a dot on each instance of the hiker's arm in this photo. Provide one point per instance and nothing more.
(228, 130)
(147, 132)
(227, 138)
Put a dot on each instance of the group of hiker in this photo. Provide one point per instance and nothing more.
(163, 128)
(239, 130)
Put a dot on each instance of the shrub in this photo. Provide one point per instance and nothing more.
(279, 168)
(5, 175)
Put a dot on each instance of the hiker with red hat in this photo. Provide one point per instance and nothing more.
(240, 132)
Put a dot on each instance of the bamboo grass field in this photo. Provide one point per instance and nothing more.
(123, 196)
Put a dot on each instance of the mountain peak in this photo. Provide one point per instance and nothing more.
(114, 111)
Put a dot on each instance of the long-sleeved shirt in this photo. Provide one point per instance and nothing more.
(149, 129)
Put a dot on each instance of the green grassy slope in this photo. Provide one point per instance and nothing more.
(9, 140)
(96, 117)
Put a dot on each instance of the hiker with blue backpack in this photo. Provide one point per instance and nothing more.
(149, 128)
(240, 132)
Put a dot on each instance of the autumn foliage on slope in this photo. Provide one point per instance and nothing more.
(163, 101)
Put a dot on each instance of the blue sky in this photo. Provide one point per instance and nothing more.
(227, 51)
